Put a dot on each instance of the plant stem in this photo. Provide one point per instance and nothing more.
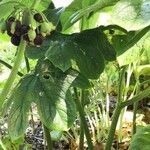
(12, 76)
(117, 112)
(28, 70)
(135, 106)
(113, 127)
(84, 123)
(118, 109)
(2, 145)
(124, 98)
(81, 144)
(10, 67)
(136, 98)
(48, 138)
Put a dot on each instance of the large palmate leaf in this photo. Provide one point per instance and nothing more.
(21, 99)
(55, 105)
(85, 52)
(90, 52)
(140, 140)
(48, 87)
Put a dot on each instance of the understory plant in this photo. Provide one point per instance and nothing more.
(67, 65)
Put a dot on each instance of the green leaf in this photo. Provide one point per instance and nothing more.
(82, 82)
(72, 8)
(75, 6)
(140, 140)
(40, 7)
(21, 99)
(84, 52)
(55, 104)
(78, 9)
(53, 15)
(34, 52)
(122, 43)
(60, 54)
(48, 87)
(93, 49)
(6, 8)
(44, 4)
(131, 14)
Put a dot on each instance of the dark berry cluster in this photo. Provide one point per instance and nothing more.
(35, 36)
(15, 29)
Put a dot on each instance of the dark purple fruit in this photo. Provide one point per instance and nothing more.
(15, 40)
(26, 38)
(24, 29)
(38, 40)
(38, 17)
(18, 24)
(18, 28)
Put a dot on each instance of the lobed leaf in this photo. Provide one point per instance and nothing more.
(55, 104)
(21, 100)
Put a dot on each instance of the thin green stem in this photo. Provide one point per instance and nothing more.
(135, 107)
(113, 127)
(81, 144)
(116, 113)
(121, 85)
(136, 98)
(12, 76)
(124, 95)
(10, 67)
(28, 70)
(48, 138)
(84, 123)
(2, 145)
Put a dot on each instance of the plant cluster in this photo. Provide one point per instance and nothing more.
(67, 63)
